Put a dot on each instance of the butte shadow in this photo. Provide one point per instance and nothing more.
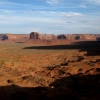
(91, 47)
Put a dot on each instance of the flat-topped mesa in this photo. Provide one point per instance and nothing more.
(98, 38)
(90, 37)
(70, 37)
(14, 37)
(81, 37)
(75, 37)
(34, 35)
(47, 36)
(3, 37)
(61, 36)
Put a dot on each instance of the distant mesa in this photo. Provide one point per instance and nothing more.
(49, 38)
(14, 37)
(61, 36)
(82, 37)
(98, 38)
(3, 37)
(34, 35)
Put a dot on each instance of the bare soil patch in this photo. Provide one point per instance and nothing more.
(56, 72)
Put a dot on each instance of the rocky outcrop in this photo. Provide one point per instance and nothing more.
(98, 38)
(77, 37)
(47, 36)
(61, 36)
(14, 37)
(34, 35)
(50, 37)
(90, 37)
(81, 37)
(3, 37)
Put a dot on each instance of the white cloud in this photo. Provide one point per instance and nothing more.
(71, 14)
(52, 2)
(7, 11)
(97, 2)
(12, 3)
(82, 6)
(56, 25)
(46, 19)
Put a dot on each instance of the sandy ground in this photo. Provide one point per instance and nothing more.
(49, 73)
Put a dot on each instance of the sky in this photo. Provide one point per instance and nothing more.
(50, 16)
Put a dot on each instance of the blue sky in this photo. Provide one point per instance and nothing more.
(50, 16)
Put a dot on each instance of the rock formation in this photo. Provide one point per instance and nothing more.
(14, 37)
(70, 37)
(49, 37)
(34, 35)
(82, 37)
(98, 38)
(90, 37)
(61, 36)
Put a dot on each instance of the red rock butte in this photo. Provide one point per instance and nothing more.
(49, 38)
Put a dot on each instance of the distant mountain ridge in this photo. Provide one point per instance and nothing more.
(49, 37)
(36, 35)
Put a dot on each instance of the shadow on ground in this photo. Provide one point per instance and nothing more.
(92, 47)
(73, 87)
(19, 42)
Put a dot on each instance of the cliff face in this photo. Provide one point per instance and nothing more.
(70, 37)
(98, 38)
(86, 37)
(36, 35)
(47, 36)
(14, 37)
(61, 36)
(90, 37)
(50, 37)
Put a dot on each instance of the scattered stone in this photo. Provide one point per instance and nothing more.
(9, 81)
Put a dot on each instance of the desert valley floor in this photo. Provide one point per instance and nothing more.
(54, 72)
